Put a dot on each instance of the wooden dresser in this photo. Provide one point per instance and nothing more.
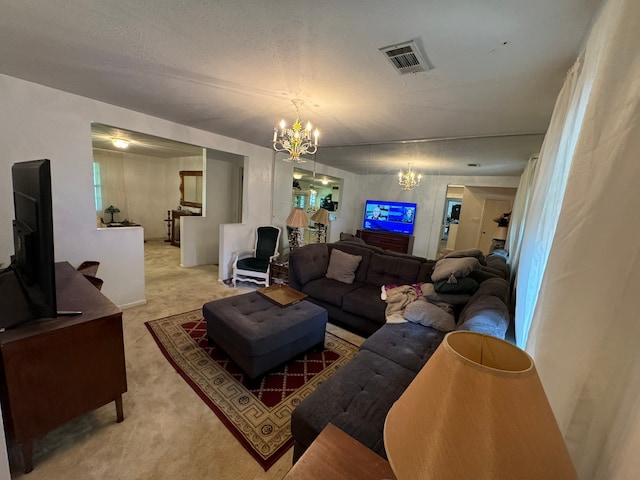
(57, 369)
(396, 242)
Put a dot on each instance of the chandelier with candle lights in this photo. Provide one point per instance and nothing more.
(295, 140)
(409, 178)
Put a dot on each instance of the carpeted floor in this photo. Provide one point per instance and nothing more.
(168, 431)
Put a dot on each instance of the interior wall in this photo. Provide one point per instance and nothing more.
(200, 236)
(41, 122)
(430, 197)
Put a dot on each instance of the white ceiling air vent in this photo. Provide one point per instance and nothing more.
(405, 57)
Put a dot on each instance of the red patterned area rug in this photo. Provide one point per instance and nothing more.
(259, 416)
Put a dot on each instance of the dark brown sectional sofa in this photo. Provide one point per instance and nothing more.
(357, 398)
(358, 305)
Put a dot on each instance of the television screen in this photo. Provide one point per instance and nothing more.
(396, 217)
(33, 261)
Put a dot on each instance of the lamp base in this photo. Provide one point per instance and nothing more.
(295, 238)
(321, 233)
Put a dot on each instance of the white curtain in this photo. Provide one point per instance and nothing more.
(585, 331)
(546, 198)
(521, 205)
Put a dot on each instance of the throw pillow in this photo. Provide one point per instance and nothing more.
(343, 266)
(458, 267)
(430, 315)
(463, 285)
(471, 252)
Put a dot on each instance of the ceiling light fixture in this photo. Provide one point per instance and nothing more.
(297, 176)
(295, 141)
(120, 142)
(409, 179)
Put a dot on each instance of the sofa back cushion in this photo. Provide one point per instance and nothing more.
(488, 315)
(426, 269)
(392, 270)
(308, 263)
(487, 311)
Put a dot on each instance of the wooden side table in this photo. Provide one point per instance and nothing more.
(336, 455)
(279, 272)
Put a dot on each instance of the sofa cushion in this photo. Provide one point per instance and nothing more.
(485, 273)
(329, 290)
(470, 252)
(461, 285)
(391, 270)
(426, 269)
(429, 315)
(366, 302)
(308, 263)
(497, 263)
(488, 315)
(342, 266)
(356, 400)
(487, 312)
(498, 287)
(407, 344)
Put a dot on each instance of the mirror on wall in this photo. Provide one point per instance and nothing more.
(311, 191)
(308, 186)
(191, 188)
(469, 219)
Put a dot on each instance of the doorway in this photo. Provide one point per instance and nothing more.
(492, 209)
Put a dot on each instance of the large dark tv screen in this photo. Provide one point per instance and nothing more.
(396, 217)
(33, 261)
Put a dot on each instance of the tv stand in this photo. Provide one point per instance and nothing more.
(396, 242)
(57, 369)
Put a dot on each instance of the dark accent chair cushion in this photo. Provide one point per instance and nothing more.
(267, 242)
(253, 264)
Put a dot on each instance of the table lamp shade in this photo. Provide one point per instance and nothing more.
(321, 216)
(297, 218)
(477, 410)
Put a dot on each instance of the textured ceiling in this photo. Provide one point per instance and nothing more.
(233, 66)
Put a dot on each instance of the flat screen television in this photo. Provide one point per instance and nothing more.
(33, 261)
(396, 217)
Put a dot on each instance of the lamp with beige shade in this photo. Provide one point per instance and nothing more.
(297, 219)
(321, 218)
(477, 409)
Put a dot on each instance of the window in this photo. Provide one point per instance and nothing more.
(97, 186)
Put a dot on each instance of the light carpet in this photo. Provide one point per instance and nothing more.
(257, 413)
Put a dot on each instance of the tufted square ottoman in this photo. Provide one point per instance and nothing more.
(259, 335)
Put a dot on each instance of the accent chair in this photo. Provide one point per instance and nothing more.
(253, 265)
